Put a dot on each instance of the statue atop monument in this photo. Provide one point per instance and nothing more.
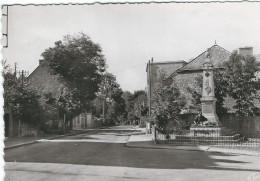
(207, 55)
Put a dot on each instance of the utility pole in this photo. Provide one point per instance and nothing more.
(15, 65)
(104, 100)
(149, 89)
(23, 74)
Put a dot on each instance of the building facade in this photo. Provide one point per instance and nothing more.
(50, 87)
(156, 73)
(185, 75)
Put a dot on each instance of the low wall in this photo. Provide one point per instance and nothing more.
(230, 121)
(250, 124)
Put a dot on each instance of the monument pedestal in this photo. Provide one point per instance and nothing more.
(209, 110)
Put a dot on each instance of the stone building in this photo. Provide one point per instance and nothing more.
(156, 73)
(185, 76)
(50, 86)
(44, 81)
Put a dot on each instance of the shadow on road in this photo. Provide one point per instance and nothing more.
(114, 154)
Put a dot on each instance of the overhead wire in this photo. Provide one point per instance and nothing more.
(135, 66)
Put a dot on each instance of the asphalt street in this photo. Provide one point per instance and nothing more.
(106, 150)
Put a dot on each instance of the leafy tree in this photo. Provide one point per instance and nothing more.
(135, 104)
(140, 100)
(128, 97)
(220, 92)
(109, 96)
(239, 76)
(119, 113)
(21, 99)
(169, 103)
(79, 62)
(129, 100)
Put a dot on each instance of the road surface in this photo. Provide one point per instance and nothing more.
(102, 155)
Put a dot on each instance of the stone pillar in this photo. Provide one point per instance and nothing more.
(208, 96)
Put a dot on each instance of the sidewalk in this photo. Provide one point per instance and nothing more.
(146, 141)
(22, 141)
(27, 140)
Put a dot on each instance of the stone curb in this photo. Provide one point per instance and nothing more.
(52, 138)
(166, 147)
(130, 134)
(207, 149)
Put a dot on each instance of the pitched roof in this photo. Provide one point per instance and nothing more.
(218, 55)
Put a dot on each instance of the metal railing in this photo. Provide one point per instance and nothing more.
(224, 137)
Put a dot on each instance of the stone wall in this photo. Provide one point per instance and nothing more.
(230, 121)
(251, 124)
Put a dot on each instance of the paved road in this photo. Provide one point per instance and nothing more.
(104, 159)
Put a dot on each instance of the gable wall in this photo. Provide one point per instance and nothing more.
(44, 82)
(185, 81)
(157, 69)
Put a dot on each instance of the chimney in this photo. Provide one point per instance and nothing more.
(40, 62)
(245, 51)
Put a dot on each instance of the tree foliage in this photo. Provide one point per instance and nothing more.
(135, 104)
(111, 93)
(79, 62)
(169, 103)
(22, 99)
(239, 77)
(220, 92)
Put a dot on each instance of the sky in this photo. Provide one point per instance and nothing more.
(131, 34)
